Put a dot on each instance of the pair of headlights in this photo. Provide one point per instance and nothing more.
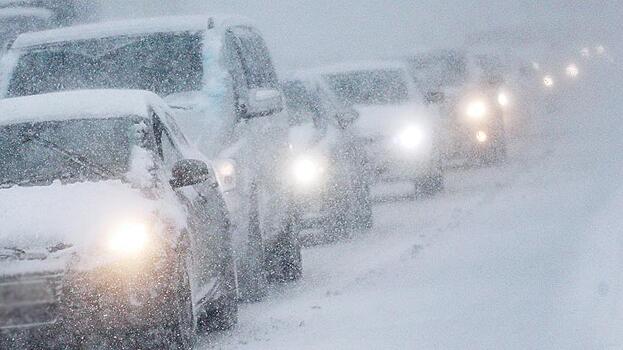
(479, 108)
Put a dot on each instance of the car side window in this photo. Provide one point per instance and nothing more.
(255, 59)
(236, 71)
(167, 150)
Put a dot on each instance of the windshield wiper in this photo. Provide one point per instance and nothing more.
(78, 159)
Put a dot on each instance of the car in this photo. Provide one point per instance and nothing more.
(112, 224)
(15, 21)
(217, 73)
(469, 90)
(329, 171)
(401, 132)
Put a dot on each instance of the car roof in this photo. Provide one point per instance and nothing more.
(354, 67)
(79, 104)
(38, 12)
(127, 27)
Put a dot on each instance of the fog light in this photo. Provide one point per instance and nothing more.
(481, 136)
(548, 81)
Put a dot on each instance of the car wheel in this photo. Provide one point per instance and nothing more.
(284, 259)
(180, 332)
(363, 218)
(252, 279)
(223, 313)
(431, 184)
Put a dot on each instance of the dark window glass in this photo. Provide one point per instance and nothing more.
(72, 150)
(256, 60)
(163, 63)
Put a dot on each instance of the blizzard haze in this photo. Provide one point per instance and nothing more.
(309, 33)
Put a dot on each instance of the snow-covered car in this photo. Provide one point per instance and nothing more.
(17, 20)
(110, 223)
(328, 170)
(217, 73)
(402, 133)
(469, 90)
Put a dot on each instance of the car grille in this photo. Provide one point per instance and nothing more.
(30, 301)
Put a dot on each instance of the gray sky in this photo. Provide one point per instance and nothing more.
(308, 33)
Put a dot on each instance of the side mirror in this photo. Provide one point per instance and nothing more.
(189, 172)
(264, 102)
(434, 97)
(346, 118)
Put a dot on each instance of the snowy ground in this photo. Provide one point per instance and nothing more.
(524, 256)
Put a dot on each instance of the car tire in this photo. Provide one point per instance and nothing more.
(252, 279)
(430, 184)
(284, 260)
(223, 315)
(180, 332)
(363, 217)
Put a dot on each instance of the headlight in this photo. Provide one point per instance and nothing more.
(482, 136)
(600, 50)
(477, 109)
(307, 171)
(572, 71)
(585, 52)
(503, 99)
(128, 238)
(411, 137)
(548, 81)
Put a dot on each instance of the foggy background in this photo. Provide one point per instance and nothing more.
(308, 33)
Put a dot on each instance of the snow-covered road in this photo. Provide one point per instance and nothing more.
(526, 255)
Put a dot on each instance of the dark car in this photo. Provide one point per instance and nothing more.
(113, 227)
(329, 173)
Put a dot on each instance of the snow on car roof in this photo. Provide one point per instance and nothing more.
(353, 67)
(126, 27)
(77, 105)
(10, 13)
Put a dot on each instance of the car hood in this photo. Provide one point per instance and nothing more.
(42, 220)
(385, 120)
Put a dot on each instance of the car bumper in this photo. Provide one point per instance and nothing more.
(83, 301)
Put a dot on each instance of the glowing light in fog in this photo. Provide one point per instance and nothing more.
(503, 99)
(536, 66)
(481, 136)
(572, 71)
(600, 50)
(585, 52)
(476, 109)
(548, 81)
(411, 137)
(128, 238)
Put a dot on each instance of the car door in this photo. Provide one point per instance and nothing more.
(203, 243)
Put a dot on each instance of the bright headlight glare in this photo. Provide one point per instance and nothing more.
(411, 137)
(128, 238)
(476, 109)
(306, 171)
(548, 81)
(226, 168)
(572, 70)
(481, 136)
(503, 99)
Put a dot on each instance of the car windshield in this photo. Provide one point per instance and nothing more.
(432, 72)
(165, 63)
(304, 106)
(36, 153)
(369, 87)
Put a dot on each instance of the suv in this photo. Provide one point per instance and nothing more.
(218, 75)
(402, 134)
(110, 223)
(470, 91)
(329, 170)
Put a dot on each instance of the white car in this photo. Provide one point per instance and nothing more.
(402, 133)
(111, 225)
(218, 75)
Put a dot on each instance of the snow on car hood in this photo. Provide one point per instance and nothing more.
(40, 217)
(384, 120)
